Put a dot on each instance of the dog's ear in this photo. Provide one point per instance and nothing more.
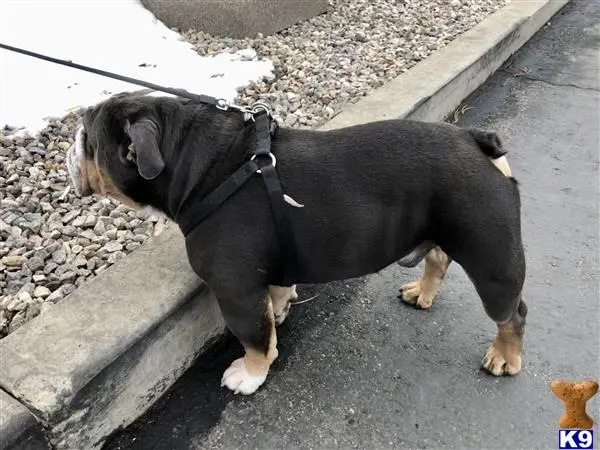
(144, 150)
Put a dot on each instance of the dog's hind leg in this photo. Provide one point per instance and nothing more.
(499, 279)
(281, 298)
(421, 292)
(504, 355)
(252, 321)
(503, 303)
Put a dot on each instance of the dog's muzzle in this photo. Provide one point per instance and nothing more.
(75, 166)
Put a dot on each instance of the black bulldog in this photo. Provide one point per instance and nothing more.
(358, 199)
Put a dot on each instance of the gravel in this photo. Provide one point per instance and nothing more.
(52, 242)
(336, 58)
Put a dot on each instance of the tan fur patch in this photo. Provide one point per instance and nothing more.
(281, 298)
(422, 291)
(504, 355)
(503, 166)
(258, 362)
(101, 184)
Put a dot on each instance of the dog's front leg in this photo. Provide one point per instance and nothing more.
(250, 318)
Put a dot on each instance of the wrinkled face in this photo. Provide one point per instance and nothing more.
(116, 151)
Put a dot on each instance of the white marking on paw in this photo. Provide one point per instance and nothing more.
(237, 378)
(411, 291)
(79, 149)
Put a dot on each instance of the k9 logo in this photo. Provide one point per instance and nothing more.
(575, 439)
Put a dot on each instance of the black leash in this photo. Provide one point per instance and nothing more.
(266, 128)
(219, 103)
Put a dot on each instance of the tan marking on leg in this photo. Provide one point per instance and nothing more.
(281, 298)
(257, 361)
(245, 375)
(504, 355)
(422, 291)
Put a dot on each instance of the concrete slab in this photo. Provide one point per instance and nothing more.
(235, 19)
(104, 354)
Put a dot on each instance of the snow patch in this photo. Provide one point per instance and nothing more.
(118, 36)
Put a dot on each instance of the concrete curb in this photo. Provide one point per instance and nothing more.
(435, 87)
(101, 357)
(19, 429)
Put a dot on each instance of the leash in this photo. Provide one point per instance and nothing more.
(266, 128)
(218, 102)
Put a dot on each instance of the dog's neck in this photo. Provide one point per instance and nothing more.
(210, 145)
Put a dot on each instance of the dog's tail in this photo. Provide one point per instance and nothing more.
(491, 146)
(489, 143)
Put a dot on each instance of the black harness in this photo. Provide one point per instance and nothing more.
(261, 162)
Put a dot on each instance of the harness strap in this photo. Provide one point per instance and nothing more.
(265, 128)
(262, 162)
(216, 198)
(287, 243)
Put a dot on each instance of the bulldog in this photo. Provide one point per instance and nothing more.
(359, 199)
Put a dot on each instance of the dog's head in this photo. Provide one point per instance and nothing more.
(150, 151)
(117, 150)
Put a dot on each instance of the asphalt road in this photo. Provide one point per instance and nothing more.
(357, 369)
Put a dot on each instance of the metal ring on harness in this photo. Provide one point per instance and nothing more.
(273, 160)
(257, 107)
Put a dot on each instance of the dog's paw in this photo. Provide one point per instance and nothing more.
(412, 293)
(496, 364)
(239, 380)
